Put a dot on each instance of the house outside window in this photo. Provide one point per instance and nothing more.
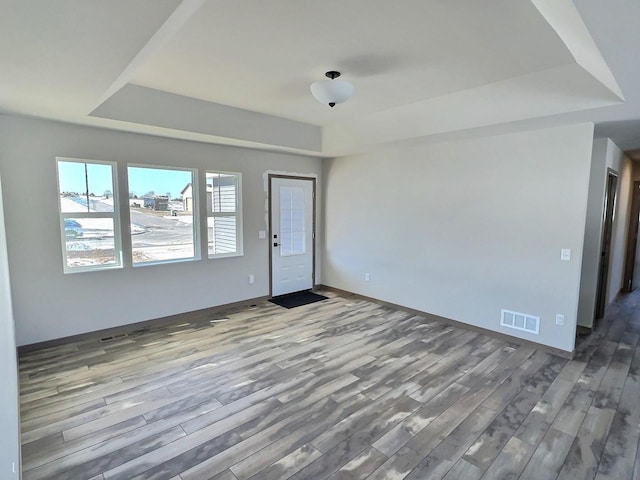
(224, 214)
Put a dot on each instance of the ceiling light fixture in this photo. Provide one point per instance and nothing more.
(332, 91)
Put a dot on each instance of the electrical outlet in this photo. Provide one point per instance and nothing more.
(262, 234)
(367, 277)
(252, 279)
(559, 319)
(565, 254)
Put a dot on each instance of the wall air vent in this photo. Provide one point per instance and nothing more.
(520, 321)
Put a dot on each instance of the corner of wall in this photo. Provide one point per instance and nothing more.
(447, 190)
(9, 405)
(606, 155)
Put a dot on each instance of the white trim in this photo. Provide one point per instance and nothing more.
(114, 216)
(237, 215)
(195, 226)
(164, 262)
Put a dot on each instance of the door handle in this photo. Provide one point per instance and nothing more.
(275, 244)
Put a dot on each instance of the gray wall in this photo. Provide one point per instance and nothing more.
(618, 161)
(635, 167)
(592, 234)
(9, 413)
(464, 229)
(49, 304)
(606, 155)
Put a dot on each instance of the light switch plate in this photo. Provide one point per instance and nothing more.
(559, 319)
(565, 254)
(262, 234)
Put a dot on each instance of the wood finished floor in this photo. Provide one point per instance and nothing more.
(341, 389)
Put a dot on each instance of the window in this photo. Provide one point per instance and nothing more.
(224, 220)
(88, 220)
(163, 206)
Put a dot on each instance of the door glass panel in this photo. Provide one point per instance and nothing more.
(292, 220)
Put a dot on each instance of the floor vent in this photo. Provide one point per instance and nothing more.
(520, 321)
(114, 337)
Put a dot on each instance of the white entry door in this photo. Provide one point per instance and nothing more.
(292, 235)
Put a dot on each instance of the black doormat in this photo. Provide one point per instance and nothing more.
(297, 299)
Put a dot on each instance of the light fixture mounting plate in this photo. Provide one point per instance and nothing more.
(332, 74)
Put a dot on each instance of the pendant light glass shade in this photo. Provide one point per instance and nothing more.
(332, 92)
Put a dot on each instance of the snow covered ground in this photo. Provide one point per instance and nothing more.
(156, 237)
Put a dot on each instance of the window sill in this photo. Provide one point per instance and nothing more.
(225, 255)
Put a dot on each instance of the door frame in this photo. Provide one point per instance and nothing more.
(632, 239)
(313, 226)
(604, 265)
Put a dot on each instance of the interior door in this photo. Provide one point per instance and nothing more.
(605, 250)
(292, 234)
(630, 271)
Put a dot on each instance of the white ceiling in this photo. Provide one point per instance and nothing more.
(58, 58)
(422, 68)
(262, 56)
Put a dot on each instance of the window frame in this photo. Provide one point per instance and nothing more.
(237, 214)
(196, 216)
(114, 216)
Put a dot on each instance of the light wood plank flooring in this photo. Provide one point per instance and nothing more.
(340, 389)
